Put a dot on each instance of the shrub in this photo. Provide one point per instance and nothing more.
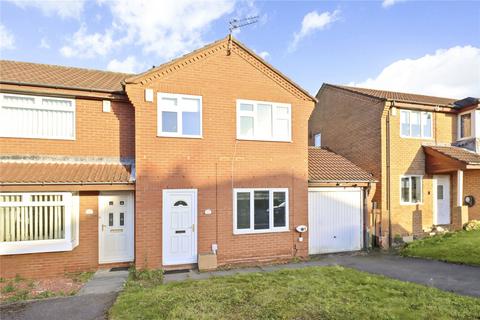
(472, 225)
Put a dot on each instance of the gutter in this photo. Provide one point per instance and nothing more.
(32, 84)
(62, 183)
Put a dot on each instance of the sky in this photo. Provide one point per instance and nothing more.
(426, 47)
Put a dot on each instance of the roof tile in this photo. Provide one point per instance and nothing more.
(60, 76)
(457, 153)
(56, 173)
(327, 166)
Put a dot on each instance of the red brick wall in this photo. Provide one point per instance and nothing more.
(218, 162)
(98, 134)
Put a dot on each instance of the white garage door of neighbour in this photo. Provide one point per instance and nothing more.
(334, 220)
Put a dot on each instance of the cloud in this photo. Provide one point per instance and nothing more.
(264, 54)
(389, 3)
(64, 8)
(44, 43)
(313, 21)
(129, 65)
(84, 45)
(7, 40)
(453, 72)
(165, 28)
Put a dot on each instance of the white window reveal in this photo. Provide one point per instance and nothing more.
(259, 120)
(38, 222)
(23, 116)
(416, 124)
(179, 115)
(411, 189)
(260, 210)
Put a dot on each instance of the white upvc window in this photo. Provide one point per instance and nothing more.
(38, 222)
(179, 115)
(260, 210)
(262, 120)
(26, 116)
(411, 189)
(466, 125)
(318, 140)
(416, 124)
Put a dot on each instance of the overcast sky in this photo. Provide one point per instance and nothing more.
(429, 47)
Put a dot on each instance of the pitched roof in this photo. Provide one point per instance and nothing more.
(327, 166)
(457, 153)
(397, 96)
(37, 74)
(191, 55)
(64, 173)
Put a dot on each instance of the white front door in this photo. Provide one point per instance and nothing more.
(116, 227)
(179, 226)
(335, 220)
(441, 199)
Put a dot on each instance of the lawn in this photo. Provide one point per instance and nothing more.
(459, 247)
(308, 293)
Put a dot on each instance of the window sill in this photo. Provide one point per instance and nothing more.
(416, 138)
(163, 135)
(37, 137)
(411, 203)
(37, 246)
(262, 231)
(264, 140)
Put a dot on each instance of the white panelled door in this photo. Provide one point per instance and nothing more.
(179, 226)
(441, 199)
(116, 227)
(335, 221)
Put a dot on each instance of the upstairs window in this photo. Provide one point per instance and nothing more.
(465, 125)
(179, 115)
(318, 140)
(259, 120)
(411, 189)
(416, 124)
(23, 116)
(260, 210)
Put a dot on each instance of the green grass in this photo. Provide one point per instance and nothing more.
(308, 293)
(459, 247)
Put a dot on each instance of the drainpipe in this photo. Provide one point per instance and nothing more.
(392, 104)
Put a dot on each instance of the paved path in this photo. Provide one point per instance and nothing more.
(91, 303)
(460, 279)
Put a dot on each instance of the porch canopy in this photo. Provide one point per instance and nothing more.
(444, 159)
(449, 159)
(64, 175)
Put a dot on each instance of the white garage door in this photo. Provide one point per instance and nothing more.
(334, 220)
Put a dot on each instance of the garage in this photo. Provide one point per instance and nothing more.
(335, 220)
(336, 203)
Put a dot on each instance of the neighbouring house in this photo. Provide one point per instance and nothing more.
(205, 154)
(422, 150)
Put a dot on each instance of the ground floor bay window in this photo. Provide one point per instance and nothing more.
(38, 222)
(260, 210)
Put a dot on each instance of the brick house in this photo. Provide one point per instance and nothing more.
(423, 150)
(206, 154)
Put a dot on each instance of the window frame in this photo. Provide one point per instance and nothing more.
(71, 240)
(422, 133)
(254, 114)
(179, 112)
(271, 228)
(410, 189)
(38, 106)
(472, 125)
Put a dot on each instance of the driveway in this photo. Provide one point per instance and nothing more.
(460, 279)
(91, 303)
